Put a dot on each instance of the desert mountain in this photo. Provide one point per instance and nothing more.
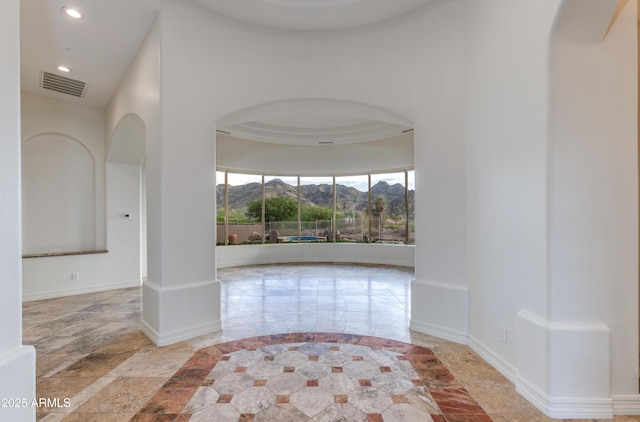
(347, 197)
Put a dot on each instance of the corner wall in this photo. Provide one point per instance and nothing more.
(593, 207)
(553, 202)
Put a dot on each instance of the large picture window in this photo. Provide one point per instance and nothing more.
(369, 208)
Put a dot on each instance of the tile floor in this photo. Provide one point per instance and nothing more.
(372, 301)
(313, 376)
(90, 350)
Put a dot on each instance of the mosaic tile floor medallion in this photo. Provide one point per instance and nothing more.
(313, 377)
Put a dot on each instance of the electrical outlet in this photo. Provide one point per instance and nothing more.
(75, 276)
(503, 334)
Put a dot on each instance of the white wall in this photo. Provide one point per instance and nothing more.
(593, 203)
(506, 130)
(181, 296)
(17, 362)
(413, 68)
(552, 202)
(63, 176)
(474, 78)
(139, 95)
(66, 207)
(58, 195)
(117, 189)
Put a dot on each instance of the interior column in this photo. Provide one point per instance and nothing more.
(17, 362)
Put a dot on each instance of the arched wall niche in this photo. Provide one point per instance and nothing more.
(58, 195)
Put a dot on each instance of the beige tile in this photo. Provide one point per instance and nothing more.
(99, 417)
(123, 395)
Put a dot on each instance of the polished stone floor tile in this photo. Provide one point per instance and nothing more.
(277, 356)
(291, 375)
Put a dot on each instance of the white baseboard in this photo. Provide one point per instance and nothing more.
(440, 332)
(505, 368)
(626, 405)
(178, 336)
(79, 291)
(565, 408)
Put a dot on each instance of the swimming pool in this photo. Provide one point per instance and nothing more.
(306, 239)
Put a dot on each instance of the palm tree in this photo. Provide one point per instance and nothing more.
(379, 205)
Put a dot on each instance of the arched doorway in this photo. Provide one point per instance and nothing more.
(126, 192)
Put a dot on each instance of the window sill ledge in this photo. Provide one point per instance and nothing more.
(46, 255)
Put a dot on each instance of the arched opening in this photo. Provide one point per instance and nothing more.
(126, 193)
(321, 164)
(331, 164)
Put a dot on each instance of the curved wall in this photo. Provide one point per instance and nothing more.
(323, 160)
(413, 67)
(236, 256)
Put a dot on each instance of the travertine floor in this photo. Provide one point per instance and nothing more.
(91, 352)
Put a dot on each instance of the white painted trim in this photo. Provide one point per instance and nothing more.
(81, 290)
(626, 404)
(580, 408)
(502, 366)
(530, 392)
(180, 335)
(565, 408)
(162, 289)
(440, 332)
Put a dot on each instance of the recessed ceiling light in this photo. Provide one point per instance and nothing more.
(64, 69)
(72, 12)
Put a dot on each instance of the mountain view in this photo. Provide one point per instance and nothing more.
(347, 198)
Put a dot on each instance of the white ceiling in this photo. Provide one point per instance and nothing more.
(100, 46)
(314, 121)
(313, 15)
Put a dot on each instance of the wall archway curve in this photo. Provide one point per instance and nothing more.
(314, 136)
(298, 107)
(61, 135)
(128, 141)
(314, 121)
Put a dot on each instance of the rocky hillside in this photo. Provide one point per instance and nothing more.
(347, 198)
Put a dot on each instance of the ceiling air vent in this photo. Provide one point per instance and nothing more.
(64, 85)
